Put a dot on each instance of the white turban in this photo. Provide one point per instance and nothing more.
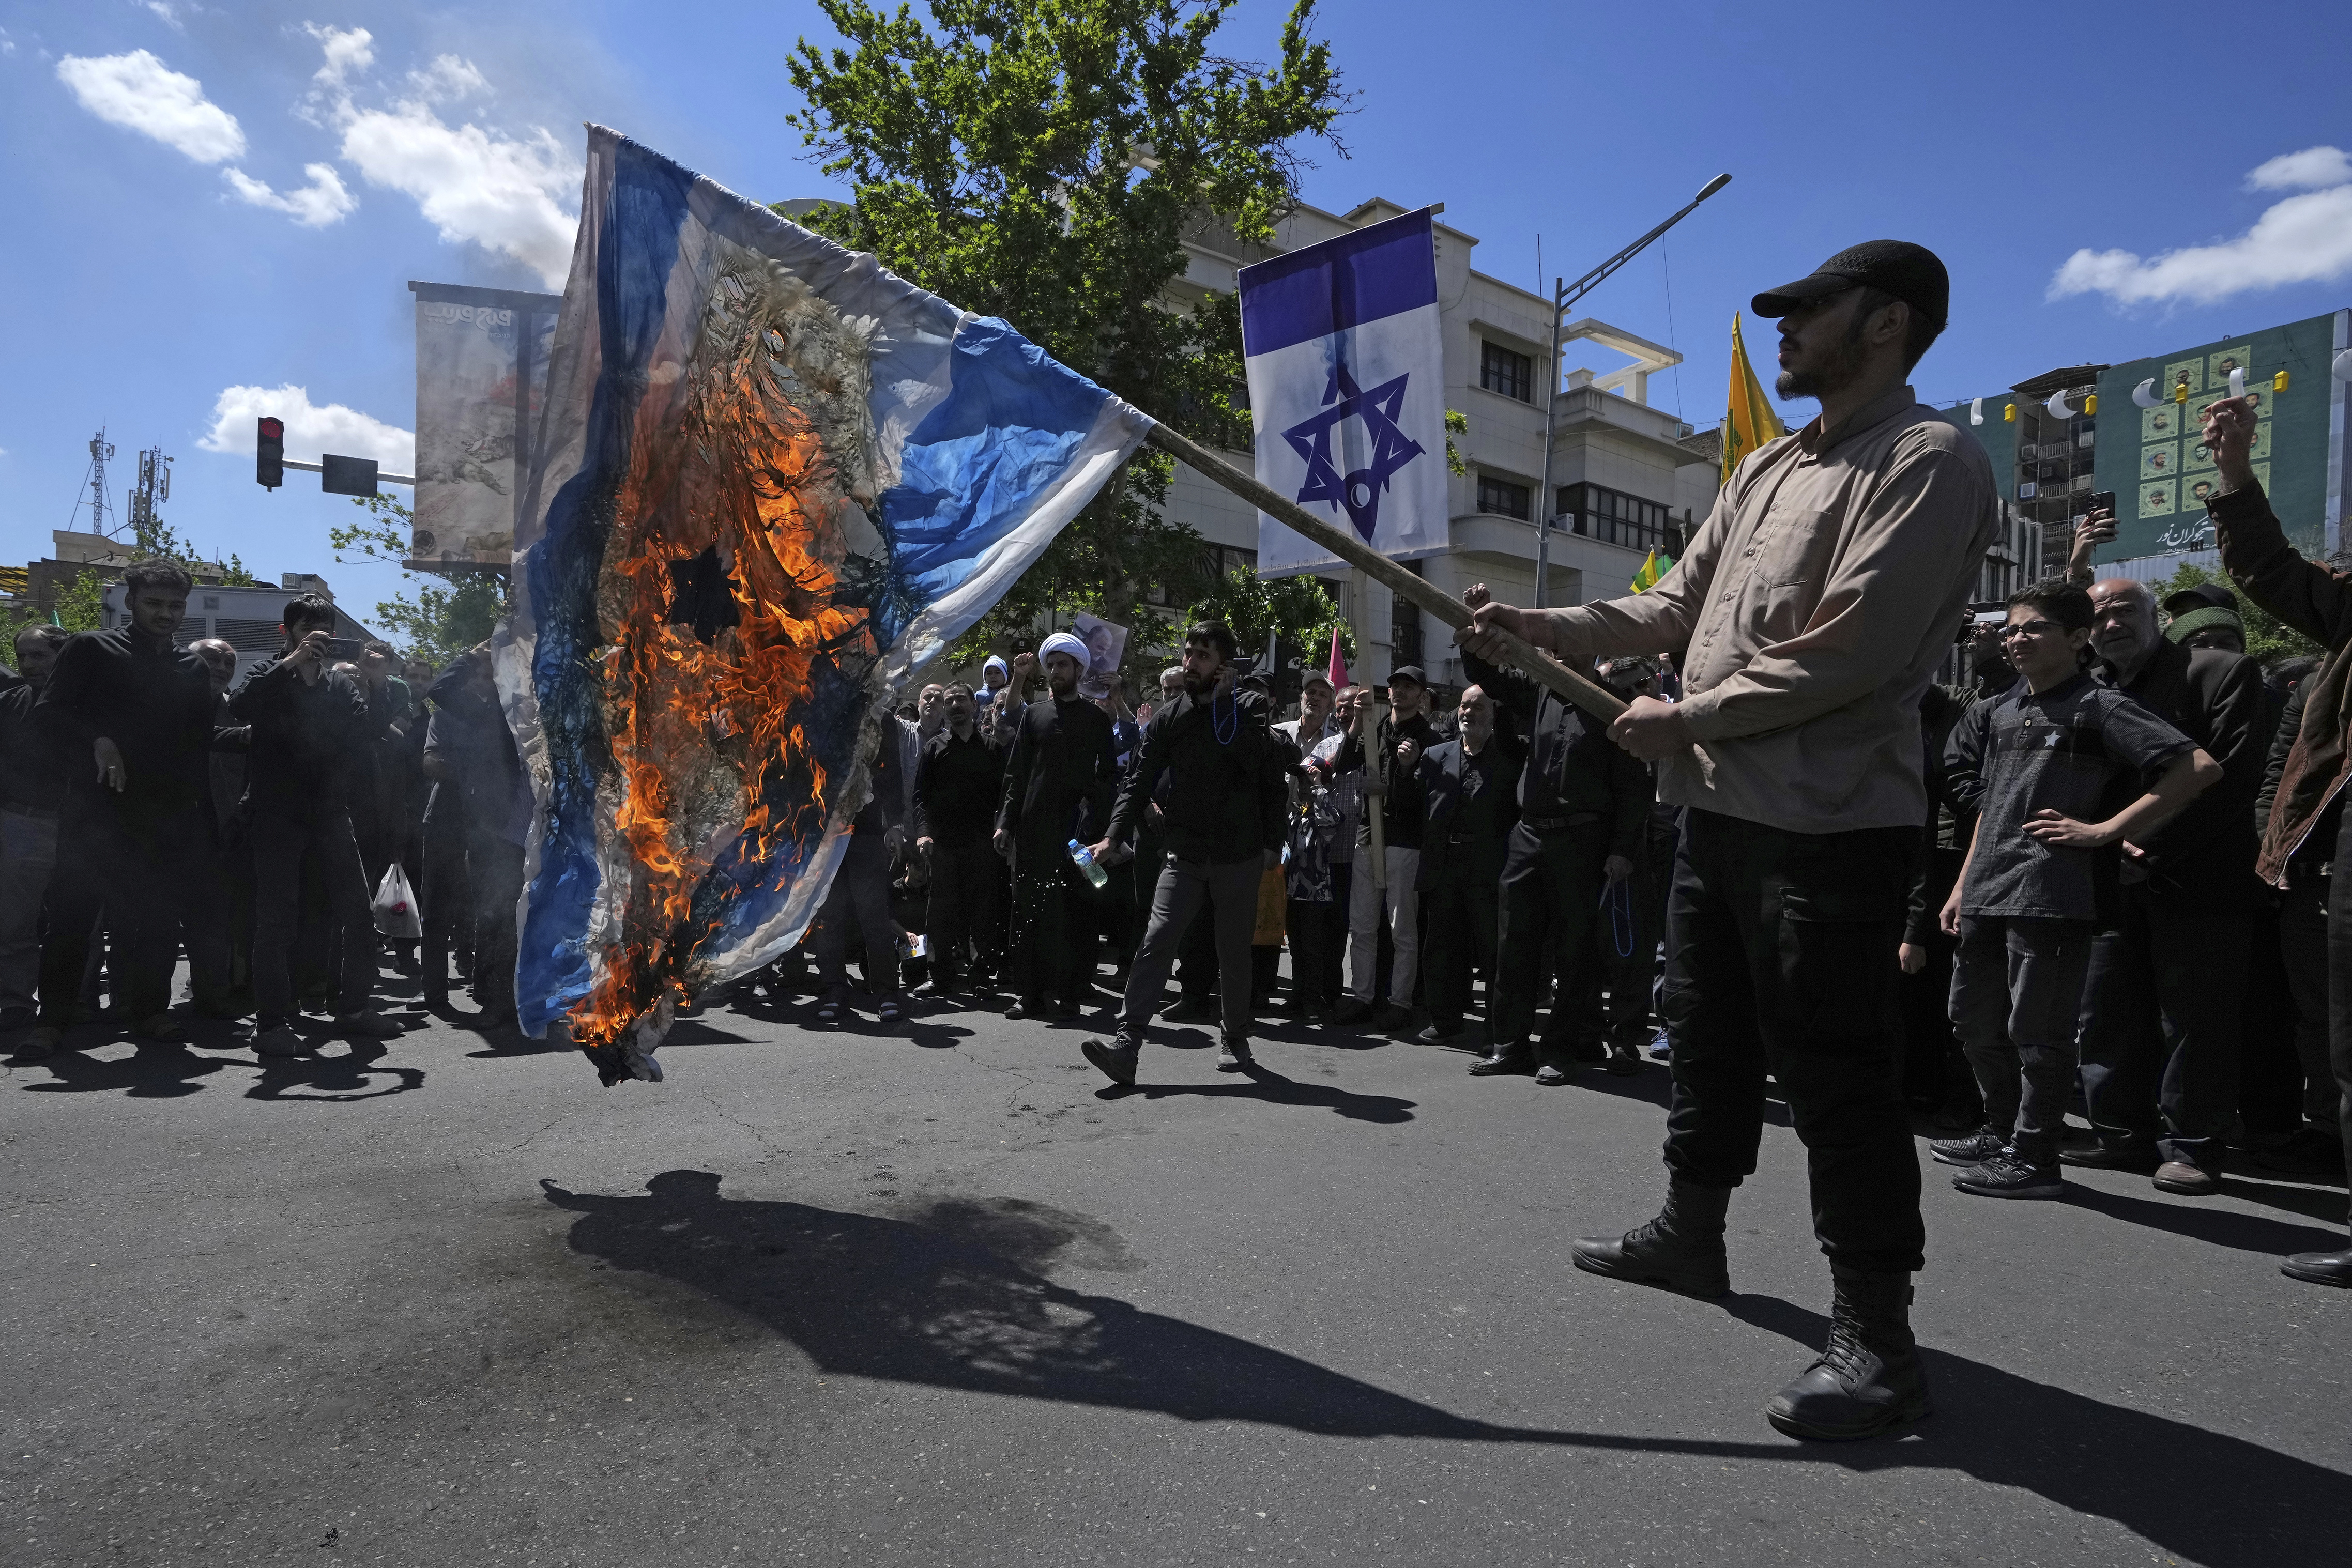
(1064, 643)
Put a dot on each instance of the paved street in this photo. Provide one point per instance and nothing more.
(933, 1296)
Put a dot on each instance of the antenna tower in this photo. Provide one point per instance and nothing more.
(154, 485)
(94, 485)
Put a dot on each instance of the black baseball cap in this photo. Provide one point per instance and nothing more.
(1408, 673)
(1912, 273)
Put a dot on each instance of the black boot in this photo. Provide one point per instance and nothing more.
(1870, 1378)
(1682, 1250)
(2319, 1267)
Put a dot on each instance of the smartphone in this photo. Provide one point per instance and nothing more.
(2104, 501)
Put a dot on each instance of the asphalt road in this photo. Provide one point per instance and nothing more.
(933, 1296)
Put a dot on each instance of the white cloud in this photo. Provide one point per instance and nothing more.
(2304, 238)
(170, 13)
(446, 79)
(140, 93)
(476, 185)
(321, 202)
(309, 431)
(7, 44)
(2313, 169)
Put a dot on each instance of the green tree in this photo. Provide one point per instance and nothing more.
(438, 623)
(1298, 610)
(78, 605)
(2267, 637)
(1044, 160)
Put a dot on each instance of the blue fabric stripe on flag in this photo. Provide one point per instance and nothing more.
(1384, 270)
(642, 223)
(1012, 422)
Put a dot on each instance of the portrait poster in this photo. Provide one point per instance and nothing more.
(2190, 373)
(2157, 499)
(2160, 461)
(2161, 422)
(1105, 647)
(481, 377)
(2221, 362)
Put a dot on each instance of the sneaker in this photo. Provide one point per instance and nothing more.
(888, 1012)
(1024, 1008)
(1971, 1151)
(1234, 1056)
(2008, 1174)
(1662, 1049)
(371, 1026)
(1116, 1059)
(832, 1008)
(279, 1041)
(1625, 1057)
(1351, 1011)
(1192, 1009)
(1551, 1074)
(1441, 1034)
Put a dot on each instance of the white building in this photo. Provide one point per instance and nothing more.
(1623, 472)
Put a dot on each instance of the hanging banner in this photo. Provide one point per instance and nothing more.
(1347, 385)
(481, 372)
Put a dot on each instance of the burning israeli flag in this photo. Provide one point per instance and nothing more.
(772, 479)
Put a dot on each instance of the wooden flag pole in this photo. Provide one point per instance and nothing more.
(1590, 696)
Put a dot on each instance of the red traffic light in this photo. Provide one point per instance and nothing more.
(269, 453)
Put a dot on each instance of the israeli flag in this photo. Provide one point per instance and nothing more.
(772, 479)
(1347, 385)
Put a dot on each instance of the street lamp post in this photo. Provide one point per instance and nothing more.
(1564, 295)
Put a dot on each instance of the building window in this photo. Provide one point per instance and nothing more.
(1501, 370)
(1616, 517)
(1503, 497)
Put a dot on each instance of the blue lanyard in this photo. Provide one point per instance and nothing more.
(1617, 898)
(1225, 728)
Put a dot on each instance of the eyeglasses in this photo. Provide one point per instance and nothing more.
(2028, 629)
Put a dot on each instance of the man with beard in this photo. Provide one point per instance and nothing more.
(1401, 739)
(1471, 784)
(137, 822)
(2160, 1006)
(1815, 602)
(1061, 763)
(1222, 825)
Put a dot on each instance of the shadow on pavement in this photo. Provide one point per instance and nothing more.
(2190, 1490)
(156, 1070)
(333, 1080)
(1263, 1083)
(2221, 1227)
(959, 1296)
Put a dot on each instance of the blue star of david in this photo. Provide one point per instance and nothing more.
(1357, 493)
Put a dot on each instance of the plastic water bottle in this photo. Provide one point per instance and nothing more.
(1085, 858)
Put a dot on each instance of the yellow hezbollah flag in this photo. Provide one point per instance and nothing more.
(1654, 571)
(1752, 421)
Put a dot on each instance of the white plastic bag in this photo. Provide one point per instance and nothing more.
(395, 906)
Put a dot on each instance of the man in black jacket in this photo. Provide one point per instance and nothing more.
(1061, 763)
(137, 822)
(956, 797)
(1471, 786)
(2160, 1006)
(1222, 825)
(1584, 806)
(309, 723)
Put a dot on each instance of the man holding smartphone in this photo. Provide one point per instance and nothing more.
(308, 722)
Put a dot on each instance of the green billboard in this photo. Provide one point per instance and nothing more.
(2150, 455)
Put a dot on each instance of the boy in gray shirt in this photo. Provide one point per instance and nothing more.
(2069, 769)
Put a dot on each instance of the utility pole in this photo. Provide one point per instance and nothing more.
(1564, 295)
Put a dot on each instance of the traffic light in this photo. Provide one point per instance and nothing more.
(270, 454)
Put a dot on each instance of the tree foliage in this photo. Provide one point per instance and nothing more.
(2267, 638)
(438, 623)
(1298, 610)
(1043, 160)
(80, 603)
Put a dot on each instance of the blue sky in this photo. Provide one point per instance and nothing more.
(205, 198)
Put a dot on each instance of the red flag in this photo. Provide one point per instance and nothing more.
(1338, 671)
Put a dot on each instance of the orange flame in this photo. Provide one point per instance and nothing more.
(700, 733)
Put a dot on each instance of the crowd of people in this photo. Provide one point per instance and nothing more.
(154, 803)
(2090, 875)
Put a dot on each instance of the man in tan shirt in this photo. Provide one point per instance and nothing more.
(1808, 616)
